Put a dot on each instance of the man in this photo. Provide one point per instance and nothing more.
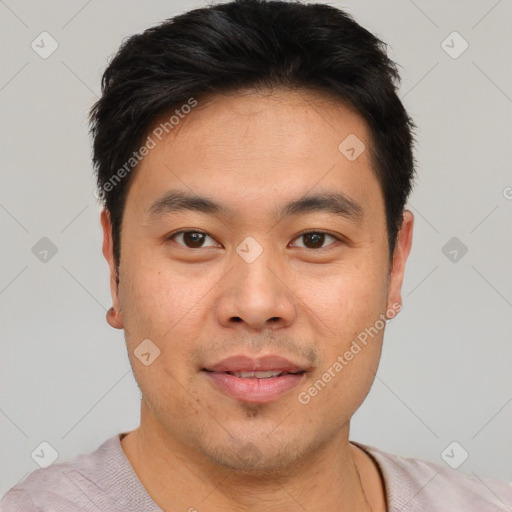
(254, 161)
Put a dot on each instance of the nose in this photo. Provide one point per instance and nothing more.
(255, 296)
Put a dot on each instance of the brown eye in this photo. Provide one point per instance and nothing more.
(315, 239)
(192, 239)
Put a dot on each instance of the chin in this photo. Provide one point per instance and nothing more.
(260, 456)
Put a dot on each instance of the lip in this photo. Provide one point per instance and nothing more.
(255, 390)
(241, 363)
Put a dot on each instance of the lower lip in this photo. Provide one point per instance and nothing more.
(253, 389)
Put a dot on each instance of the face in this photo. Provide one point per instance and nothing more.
(282, 265)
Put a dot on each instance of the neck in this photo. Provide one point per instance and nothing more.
(178, 477)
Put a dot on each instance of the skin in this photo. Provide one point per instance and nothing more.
(253, 152)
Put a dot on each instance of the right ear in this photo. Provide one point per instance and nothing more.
(114, 315)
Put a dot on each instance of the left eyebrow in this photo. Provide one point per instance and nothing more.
(336, 203)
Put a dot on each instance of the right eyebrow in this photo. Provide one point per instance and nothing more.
(330, 202)
(175, 201)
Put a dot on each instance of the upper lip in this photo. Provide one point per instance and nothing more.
(241, 363)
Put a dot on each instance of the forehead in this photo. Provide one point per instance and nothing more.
(253, 149)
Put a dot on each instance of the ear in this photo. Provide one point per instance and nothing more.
(114, 315)
(400, 255)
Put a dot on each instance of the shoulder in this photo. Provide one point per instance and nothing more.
(414, 484)
(71, 486)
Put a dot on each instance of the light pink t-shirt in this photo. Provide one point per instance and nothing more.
(104, 481)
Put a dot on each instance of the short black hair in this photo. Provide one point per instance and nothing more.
(258, 45)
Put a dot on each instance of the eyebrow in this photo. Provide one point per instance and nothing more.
(336, 203)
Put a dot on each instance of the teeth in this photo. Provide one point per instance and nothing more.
(258, 375)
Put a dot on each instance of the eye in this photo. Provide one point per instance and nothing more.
(192, 239)
(315, 239)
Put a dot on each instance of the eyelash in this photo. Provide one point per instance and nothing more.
(316, 231)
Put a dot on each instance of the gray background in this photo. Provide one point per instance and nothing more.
(446, 366)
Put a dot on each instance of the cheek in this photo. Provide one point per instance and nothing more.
(348, 299)
(350, 361)
(166, 306)
(159, 306)
(155, 296)
(351, 307)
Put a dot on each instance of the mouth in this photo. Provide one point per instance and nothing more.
(255, 380)
(258, 375)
